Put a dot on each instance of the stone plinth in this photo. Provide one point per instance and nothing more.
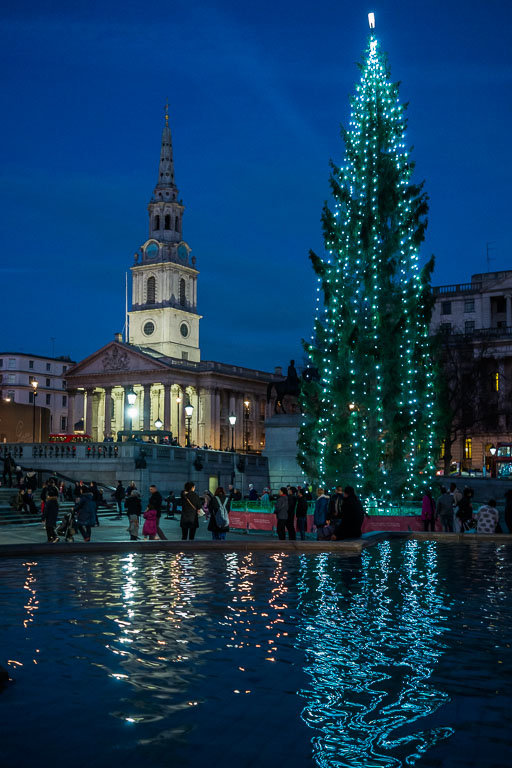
(281, 434)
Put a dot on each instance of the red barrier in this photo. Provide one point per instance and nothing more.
(395, 523)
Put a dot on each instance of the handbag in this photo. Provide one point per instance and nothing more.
(199, 512)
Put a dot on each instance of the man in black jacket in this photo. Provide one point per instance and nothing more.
(155, 502)
(292, 503)
(352, 517)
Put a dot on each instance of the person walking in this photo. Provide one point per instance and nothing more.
(190, 507)
(428, 511)
(352, 517)
(292, 503)
(133, 507)
(444, 510)
(155, 502)
(281, 512)
(85, 510)
(149, 528)
(51, 511)
(487, 518)
(321, 509)
(301, 514)
(119, 496)
(219, 507)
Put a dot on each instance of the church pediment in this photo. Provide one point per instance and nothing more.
(115, 358)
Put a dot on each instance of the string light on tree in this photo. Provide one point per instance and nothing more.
(375, 392)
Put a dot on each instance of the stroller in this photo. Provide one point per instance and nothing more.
(67, 527)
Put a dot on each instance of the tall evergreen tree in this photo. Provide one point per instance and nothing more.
(371, 415)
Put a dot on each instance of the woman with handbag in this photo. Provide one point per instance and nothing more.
(190, 511)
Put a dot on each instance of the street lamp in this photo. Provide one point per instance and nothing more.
(35, 385)
(131, 396)
(247, 410)
(178, 401)
(232, 421)
(492, 451)
(189, 410)
(158, 422)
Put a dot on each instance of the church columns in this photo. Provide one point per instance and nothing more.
(71, 411)
(88, 412)
(147, 406)
(107, 424)
(167, 407)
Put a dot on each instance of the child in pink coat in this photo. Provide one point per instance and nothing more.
(149, 528)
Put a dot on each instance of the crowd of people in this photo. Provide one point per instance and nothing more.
(457, 513)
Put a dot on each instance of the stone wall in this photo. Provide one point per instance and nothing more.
(281, 433)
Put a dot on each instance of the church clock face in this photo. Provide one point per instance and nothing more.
(182, 253)
(151, 251)
(149, 328)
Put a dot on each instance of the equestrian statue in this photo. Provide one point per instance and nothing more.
(289, 386)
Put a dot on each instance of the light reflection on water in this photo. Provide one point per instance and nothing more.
(301, 659)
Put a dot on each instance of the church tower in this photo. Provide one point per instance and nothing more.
(164, 315)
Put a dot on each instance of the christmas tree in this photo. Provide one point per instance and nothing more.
(370, 417)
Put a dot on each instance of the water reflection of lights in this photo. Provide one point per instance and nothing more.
(369, 658)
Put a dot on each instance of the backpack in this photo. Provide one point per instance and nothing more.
(221, 515)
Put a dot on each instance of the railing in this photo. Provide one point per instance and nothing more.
(442, 290)
(372, 507)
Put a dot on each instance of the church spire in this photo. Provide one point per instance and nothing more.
(166, 166)
(165, 209)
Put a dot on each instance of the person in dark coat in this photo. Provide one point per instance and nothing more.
(85, 509)
(464, 512)
(119, 496)
(352, 516)
(292, 503)
(335, 505)
(31, 480)
(97, 498)
(218, 531)
(190, 506)
(281, 512)
(133, 507)
(155, 502)
(51, 512)
(301, 513)
(9, 466)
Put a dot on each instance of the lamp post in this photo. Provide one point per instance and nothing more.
(189, 410)
(178, 401)
(35, 385)
(131, 396)
(247, 410)
(492, 451)
(158, 421)
(232, 421)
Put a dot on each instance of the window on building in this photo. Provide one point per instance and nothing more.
(442, 450)
(31, 397)
(183, 293)
(48, 366)
(64, 368)
(501, 304)
(12, 363)
(151, 290)
(48, 399)
(468, 448)
(446, 307)
(157, 222)
(177, 224)
(11, 378)
(48, 382)
(446, 327)
(167, 221)
(469, 326)
(64, 400)
(64, 385)
(497, 381)
(10, 395)
(1, 362)
(469, 305)
(63, 423)
(31, 364)
(184, 355)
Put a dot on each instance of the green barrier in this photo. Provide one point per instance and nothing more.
(375, 507)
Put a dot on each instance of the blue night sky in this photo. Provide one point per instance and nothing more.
(257, 93)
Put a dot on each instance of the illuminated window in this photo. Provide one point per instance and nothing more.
(468, 448)
(497, 381)
(442, 450)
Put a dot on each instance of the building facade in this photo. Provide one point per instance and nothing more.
(18, 371)
(474, 324)
(159, 362)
